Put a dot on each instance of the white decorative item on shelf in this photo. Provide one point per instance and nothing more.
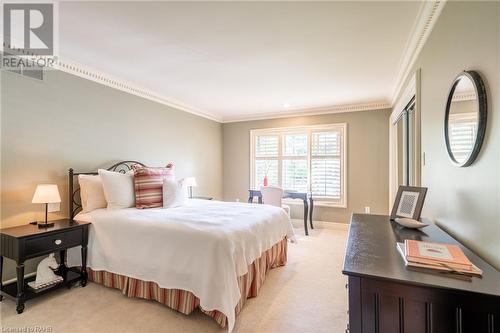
(45, 275)
(410, 223)
(190, 182)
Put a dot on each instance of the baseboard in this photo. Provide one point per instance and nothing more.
(298, 223)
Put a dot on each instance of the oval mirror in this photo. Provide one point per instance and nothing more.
(465, 120)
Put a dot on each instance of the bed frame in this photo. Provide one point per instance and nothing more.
(74, 201)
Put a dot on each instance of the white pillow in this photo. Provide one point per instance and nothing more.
(118, 188)
(174, 193)
(91, 193)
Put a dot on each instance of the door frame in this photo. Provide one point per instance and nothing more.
(412, 90)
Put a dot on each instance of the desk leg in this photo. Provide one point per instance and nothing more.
(84, 266)
(1, 270)
(306, 210)
(311, 204)
(20, 287)
(250, 199)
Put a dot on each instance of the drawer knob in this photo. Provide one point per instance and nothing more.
(58, 242)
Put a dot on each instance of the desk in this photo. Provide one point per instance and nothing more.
(304, 196)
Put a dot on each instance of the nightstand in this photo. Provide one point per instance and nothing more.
(29, 241)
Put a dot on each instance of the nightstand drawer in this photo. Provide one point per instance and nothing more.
(54, 242)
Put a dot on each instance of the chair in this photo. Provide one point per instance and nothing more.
(271, 195)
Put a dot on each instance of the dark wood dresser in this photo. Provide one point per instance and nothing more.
(386, 297)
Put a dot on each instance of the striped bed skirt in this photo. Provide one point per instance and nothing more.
(185, 301)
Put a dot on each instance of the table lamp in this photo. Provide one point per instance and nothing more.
(190, 182)
(46, 193)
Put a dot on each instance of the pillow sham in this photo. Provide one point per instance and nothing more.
(118, 188)
(174, 193)
(148, 185)
(91, 193)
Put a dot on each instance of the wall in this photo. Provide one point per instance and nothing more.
(66, 121)
(367, 160)
(464, 201)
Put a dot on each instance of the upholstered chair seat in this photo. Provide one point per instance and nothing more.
(272, 195)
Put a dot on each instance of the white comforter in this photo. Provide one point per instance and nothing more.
(202, 247)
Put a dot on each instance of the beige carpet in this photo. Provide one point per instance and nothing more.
(306, 295)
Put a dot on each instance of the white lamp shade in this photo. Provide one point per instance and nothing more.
(46, 193)
(190, 181)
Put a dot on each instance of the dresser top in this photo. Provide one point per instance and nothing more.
(28, 230)
(371, 252)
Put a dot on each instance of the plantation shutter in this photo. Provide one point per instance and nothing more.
(462, 136)
(307, 159)
(266, 159)
(326, 164)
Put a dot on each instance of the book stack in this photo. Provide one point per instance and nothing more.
(437, 257)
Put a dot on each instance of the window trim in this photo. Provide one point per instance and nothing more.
(323, 201)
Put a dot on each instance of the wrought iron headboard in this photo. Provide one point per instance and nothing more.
(75, 204)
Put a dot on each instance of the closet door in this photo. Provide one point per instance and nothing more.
(406, 145)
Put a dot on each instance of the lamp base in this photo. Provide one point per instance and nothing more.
(43, 225)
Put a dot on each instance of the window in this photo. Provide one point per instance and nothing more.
(305, 159)
(462, 128)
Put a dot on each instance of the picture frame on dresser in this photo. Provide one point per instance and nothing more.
(409, 202)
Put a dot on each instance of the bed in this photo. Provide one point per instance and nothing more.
(210, 255)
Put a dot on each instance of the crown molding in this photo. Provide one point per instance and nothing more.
(92, 74)
(426, 19)
(313, 111)
(464, 96)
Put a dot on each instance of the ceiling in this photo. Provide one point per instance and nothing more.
(244, 60)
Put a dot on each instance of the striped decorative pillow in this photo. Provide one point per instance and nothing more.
(148, 183)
